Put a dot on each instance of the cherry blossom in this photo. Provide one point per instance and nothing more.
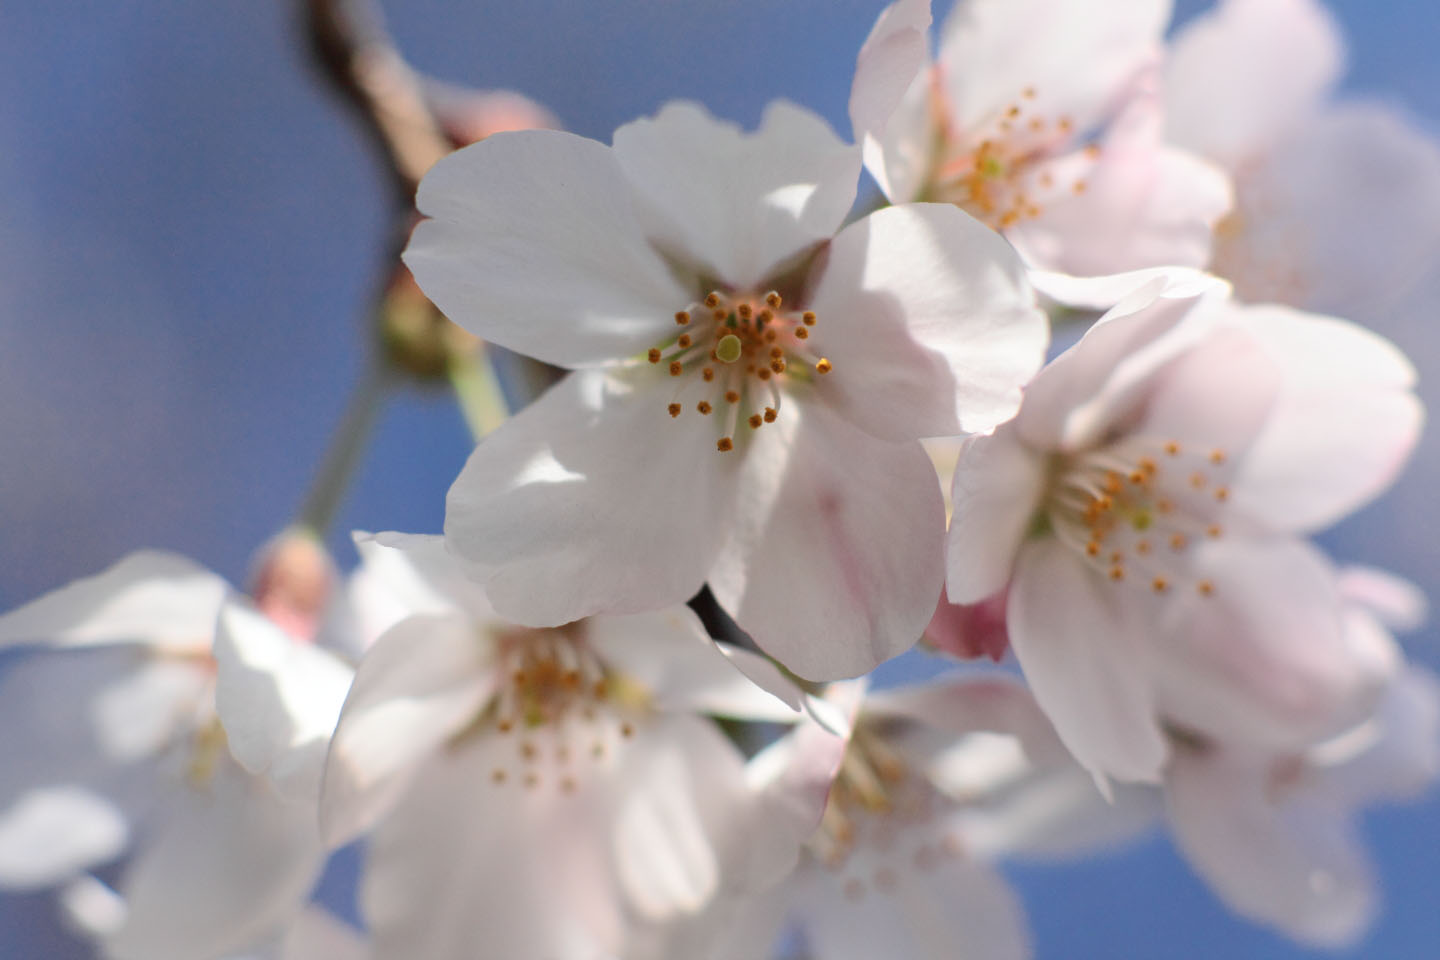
(1337, 203)
(1143, 509)
(749, 385)
(1044, 119)
(119, 747)
(551, 792)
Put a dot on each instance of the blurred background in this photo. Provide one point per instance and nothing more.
(191, 229)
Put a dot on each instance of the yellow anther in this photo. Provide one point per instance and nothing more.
(1177, 541)
(1117, 573)
(1172, 449)
(801, 333)
(778, 366)
(1222, 494)
(1160, 584)
(712, 300)
(744, 311)
(823, 366)
(1205, 588)
(1217, 457)
(808, 318)
(773, 299)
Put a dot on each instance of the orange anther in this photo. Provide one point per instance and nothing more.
(808, 317)
(801, 333)
(712, 300)
(731, 396)
(770, 414)
(1160, 584)
(773, 299)
(823, 366)
(704, 407)
(755, 421)
(674, 409)
(724, 445)
(676, 367)
(707, 374)
(654, 355)
(683, 317)
(684, 340)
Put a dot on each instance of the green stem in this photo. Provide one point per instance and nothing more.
(346, 448)
(477, 391)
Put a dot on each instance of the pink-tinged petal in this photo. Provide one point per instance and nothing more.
(1240, 77)
(668, 654)
(1394, 601)
(228, 864)
(998, 487)
(555, 514)
(958, 910)
(890, 109)
(1067, 405)
(318, 935)
(1273, 855)
(419, 685)
(1343, 426)
(1343, 217)
(971, 703)
(534, 243)
(1088, 661)
(50, 834)
(1076, 56)
(278, 700)
(1144, 204)
(929, 321)
(836, 551)
(150, 597)
(970, 631)
(1102, 293)
(1399, 747)
(404, 574)
(1265, 658)
(731, 204)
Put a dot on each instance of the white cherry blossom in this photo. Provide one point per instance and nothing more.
(554, 792)
(116, 748)
(1044, 119)
(1143, 509)
(1337, 203)
(749, 387)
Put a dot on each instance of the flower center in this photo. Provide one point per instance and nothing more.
(740, 351)
(1134, 510)
(564, 710)
(998, 172)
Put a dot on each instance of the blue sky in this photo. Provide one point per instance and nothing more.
(189, 229)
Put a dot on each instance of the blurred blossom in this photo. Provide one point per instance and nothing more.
(1143, 508)
(1338, 203)
(553, 793)
(799, 494)
(1044, 119)
(119, 747)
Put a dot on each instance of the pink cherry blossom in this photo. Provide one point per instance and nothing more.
(1044, 119)
(749, 384)
(1143, 509)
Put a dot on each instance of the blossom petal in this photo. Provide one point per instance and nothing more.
(419, 685)
(1081, 649)
(1294, 864)
(51, 834)
(998, 486)
(534, 243)
(228, 865)
(1344, 424)
(669, 654)
(736, 205)
(1342, 217)
(929, 321)
(835, 555)
(1264, 658)
(1394, 601)
(1241, 76)
(890, 109)
(152, 597)
(1144, 204)
(1075, 55)
(277, 699)
(403, 574)
(1102, 293)
(556, 515)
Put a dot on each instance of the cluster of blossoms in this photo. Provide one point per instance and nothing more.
(548, 754)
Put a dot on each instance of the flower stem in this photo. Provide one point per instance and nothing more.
(345, 450)
(477, 391)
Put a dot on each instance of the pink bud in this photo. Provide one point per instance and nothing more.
(293, 581)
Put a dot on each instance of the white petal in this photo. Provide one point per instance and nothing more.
(141, 712)
(53, 833)
(733, 204)
(91, 907)
(1344, 424)
(420, 684)
(1289, 863)
(835, 555)
(1077, 56)
(959, 910)
(593, 487)
(401, 575)
(228, 865)
(1394, 601)
(669, 654)
(1145, 204)
(1343, 217)
(890, 109)
(1084, 654)
(148, 597)
(929, 321)
(1241, 76)
(1102, 293)
(534, 244)
(318, 935)
(998, 486)
(971, 703)
(277, 699)
(1265, 659)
